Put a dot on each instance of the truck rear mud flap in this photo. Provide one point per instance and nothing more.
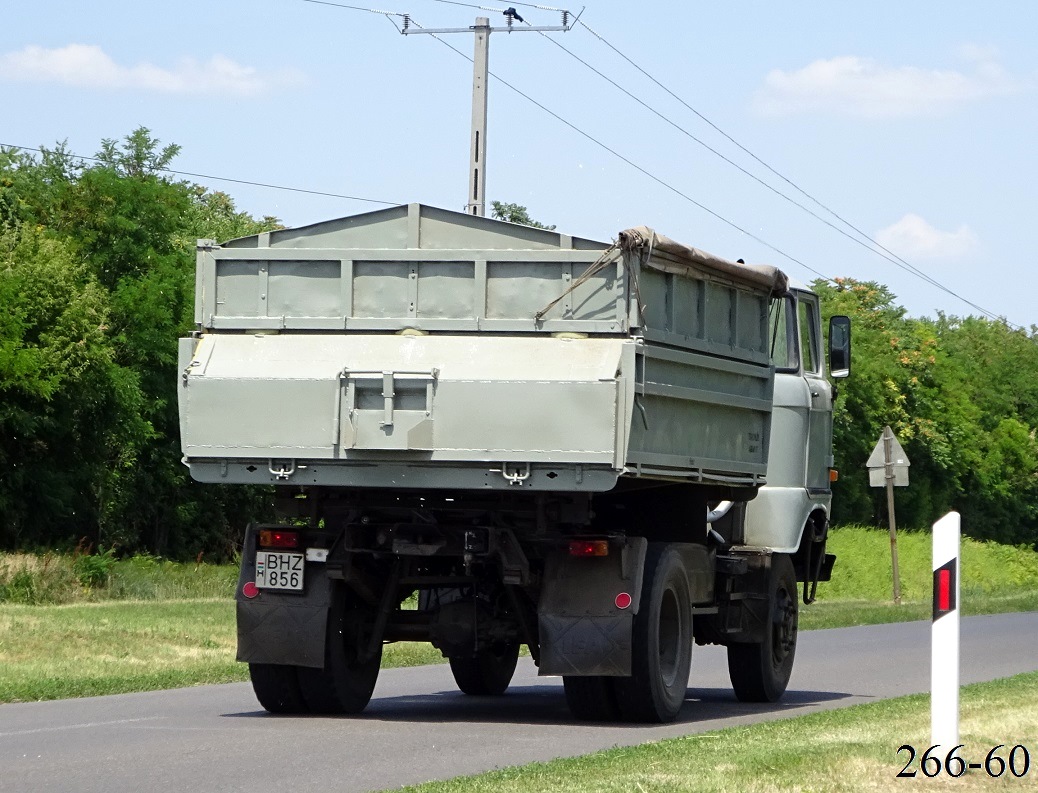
(282, 628)
(587, 609)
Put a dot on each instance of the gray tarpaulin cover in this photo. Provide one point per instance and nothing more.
(760, 275)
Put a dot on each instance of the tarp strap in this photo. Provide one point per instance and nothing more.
(593, 269)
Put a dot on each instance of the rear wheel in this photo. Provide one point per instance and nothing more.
(662, 642)
(348, 678)
(277, 688)
(760, 671)
(591, 698)
(488, 672)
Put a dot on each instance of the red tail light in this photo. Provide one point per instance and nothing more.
(277, 538)
(589, 548)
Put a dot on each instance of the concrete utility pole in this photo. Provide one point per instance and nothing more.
(478, 142)
(476, 201)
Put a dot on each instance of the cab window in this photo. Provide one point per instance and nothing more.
(810, 355)
(782, 340)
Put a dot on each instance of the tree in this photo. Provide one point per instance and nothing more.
(212, 215)
(959, 394)
(69, 413)
(514, 213)
(138, 156)
(96, 286)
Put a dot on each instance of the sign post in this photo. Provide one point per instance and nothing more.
(888, 466)
(944, 648)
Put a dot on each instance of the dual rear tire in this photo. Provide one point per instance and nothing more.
(345, 683)
(661, 653)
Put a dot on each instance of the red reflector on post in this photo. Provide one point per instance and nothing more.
(589, 548)
(943, 590)
(274, 538)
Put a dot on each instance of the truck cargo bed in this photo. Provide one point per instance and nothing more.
(417, 347)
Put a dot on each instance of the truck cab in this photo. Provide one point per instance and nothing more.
(791, 512)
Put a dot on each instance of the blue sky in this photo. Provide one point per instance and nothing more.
(915, 121)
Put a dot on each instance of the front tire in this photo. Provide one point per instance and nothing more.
(488, 672)
(662, 642)
(760, 671)
(346, 682)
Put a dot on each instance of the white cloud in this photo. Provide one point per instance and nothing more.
(88, 66)
(864, 88)
(913, 238)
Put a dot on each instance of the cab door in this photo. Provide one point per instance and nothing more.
(820, 395)
(790, 418)
(801, 431)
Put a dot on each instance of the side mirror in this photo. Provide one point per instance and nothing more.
(839, 346)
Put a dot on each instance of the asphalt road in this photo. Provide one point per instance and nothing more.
(419, 727)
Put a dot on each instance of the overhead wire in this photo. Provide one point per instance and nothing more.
(220, 178)
(634, 165)
(502, 10)
(594, 140)
(867, 241)
(357, 8)
(897, 260)
(387, 14)
(864, 239)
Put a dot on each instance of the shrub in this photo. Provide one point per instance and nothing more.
(93, 570)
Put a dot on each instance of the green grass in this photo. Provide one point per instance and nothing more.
(52, 652)
(90, 649)
(51, 578)
(995, 578)
(863, 569)
(850, 749)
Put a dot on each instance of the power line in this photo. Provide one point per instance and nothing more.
(387, 14)
(867, 242)
(356, 8)
(701, 142)
(221, 178)
(590, 137)
(587, 135)
(637, 167)
(502, 10)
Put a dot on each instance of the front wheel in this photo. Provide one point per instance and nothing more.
(488, 672)
(760, 671)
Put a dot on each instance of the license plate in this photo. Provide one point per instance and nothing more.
(279, 570)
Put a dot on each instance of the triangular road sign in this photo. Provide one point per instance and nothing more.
(897, 455)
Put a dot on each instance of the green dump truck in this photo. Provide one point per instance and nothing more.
(484, 435)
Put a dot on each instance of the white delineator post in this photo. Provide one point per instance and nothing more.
(944, 658)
